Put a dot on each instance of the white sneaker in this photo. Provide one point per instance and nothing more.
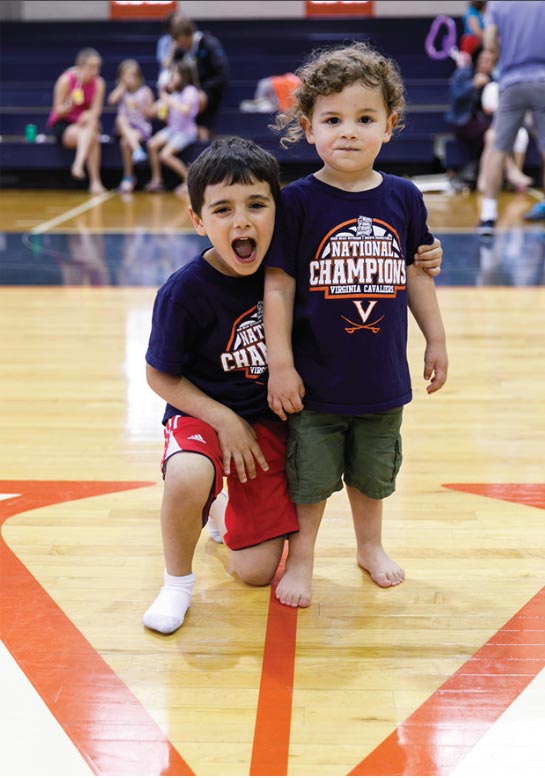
(139, 155)
(261, 105)
(127, 185)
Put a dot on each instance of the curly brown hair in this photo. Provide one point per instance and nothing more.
(329, 71)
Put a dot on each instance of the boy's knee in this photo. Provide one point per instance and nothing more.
(253, 576)
(255, 567)
(188, 478)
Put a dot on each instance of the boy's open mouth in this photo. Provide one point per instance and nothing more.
(244, 248)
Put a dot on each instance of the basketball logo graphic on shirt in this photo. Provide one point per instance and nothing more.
(357, 259)
(246, 348)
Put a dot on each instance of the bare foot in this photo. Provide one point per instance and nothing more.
(295, 587)
(77, 172)
(154, 186)
(383, 570)
(520, 182)
(181, 189)
(97, 189)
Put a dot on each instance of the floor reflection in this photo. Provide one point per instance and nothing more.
(94, 258)
(515, 257)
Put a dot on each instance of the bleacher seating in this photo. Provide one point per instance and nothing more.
(33, 54)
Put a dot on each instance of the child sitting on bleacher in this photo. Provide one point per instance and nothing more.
(134, 102)
(178, 105)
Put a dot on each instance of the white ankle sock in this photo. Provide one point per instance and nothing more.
(167, 612)
(213, 530)
(489, 209)
(211, 524)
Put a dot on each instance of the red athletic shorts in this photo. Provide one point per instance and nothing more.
(257, 510)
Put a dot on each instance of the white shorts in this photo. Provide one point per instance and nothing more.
(177, 140)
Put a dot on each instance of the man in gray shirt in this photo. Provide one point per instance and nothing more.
(515, 31)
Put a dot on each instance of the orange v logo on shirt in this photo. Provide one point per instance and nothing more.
(364, 315)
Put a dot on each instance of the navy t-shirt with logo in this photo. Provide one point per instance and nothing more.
(348, 252)
(208, 328)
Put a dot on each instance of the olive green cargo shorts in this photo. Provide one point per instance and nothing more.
(324, 447)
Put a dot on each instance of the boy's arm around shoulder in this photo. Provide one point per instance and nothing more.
(237, 438)
(285, 387)
(429, 256)
(425, 309)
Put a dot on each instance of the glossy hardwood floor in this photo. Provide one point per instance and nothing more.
(366, 681)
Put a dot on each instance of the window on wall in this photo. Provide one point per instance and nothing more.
(325, 8)
(141, 9)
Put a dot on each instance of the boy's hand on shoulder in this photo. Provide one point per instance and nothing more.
(285, 392)
(435, 366)
(239, 447)
(429, 257)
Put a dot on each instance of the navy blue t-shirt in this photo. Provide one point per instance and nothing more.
(348, 253)
(208, 327)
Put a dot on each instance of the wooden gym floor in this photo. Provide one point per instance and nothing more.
(442, 675)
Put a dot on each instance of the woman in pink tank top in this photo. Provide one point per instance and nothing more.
(78, 99)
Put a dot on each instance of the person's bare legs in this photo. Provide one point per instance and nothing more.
(512, 168)
(493, 172)
(493, 165)
(367, 518)
(85, 139)
(126, 156)
(93, 167)
(514, 173)
(188, 480)
(131, 136)
(490, 179)
(155, 144)
(295, 586)
(255, 565)
(168, 157)
(80, 136)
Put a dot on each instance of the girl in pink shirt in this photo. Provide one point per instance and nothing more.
(78, 99)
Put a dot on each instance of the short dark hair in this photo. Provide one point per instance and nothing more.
(182, 26)
(232, 160)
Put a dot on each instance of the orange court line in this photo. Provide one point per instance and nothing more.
(525, 494)
(106, 722)
(271, 744)
(116, 735)
(442, 731)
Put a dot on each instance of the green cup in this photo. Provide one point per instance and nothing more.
(31, 132)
